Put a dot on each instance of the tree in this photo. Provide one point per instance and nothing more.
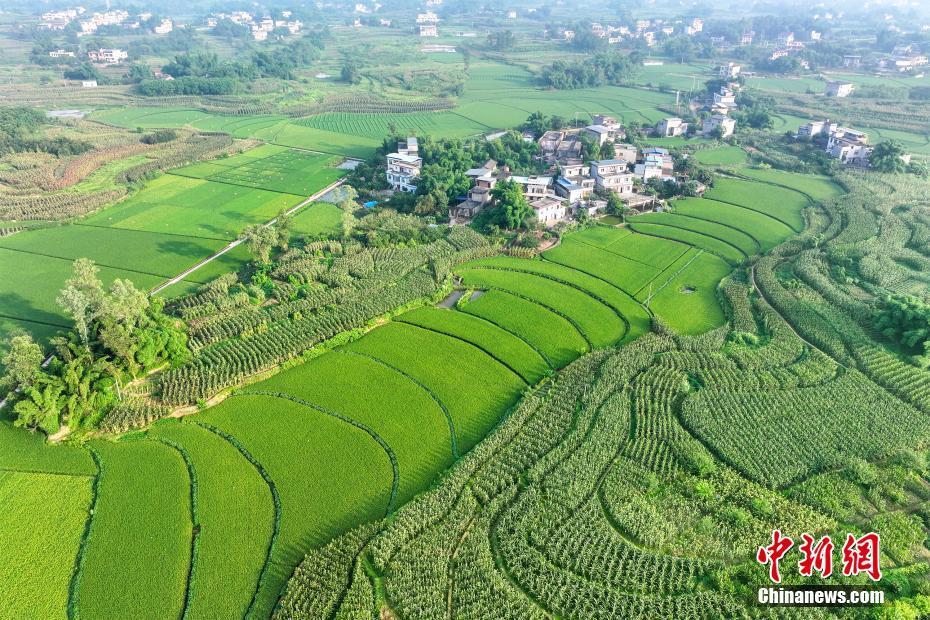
(82, 296)
(512, 209)
(23, 362)
(501, 40)
(350, 72)
(607, 150)
(887, 157)
(282, 229)
(41, 406)
(348, 217)
(260, 241)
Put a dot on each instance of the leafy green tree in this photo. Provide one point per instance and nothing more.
(501, 40)
(887, 157)
(82, 296)
(282, 229)
(607, 150)
(511, 208)
(41, 406)
(260, 241)
(22, 362)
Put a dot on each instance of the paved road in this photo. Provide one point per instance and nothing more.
(238, 242)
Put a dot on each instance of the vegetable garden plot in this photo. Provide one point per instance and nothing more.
(501, 345)
(781, 203)
(235, 517)
(474, 387)
(624, 273)
(595, 320)
(550, 334)
(41, 525)
(726, 251)
(138, 551)
(729, 235)
(765, 229)
(394, 406)
(624, 304)
(329, 475)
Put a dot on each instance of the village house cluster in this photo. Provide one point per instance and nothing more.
(59, 20)
(427, 24)
(259, 26)
(648, 30)
(570, 186)
(848, 146)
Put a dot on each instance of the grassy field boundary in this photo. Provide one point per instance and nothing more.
(276, 500)
(451, 422)
(344, 418)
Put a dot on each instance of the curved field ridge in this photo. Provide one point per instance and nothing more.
(740, 241)
(399, 410)
(329, 475)
(766, 230)
(549, 333)
(142, 527)
(633, 313)
(475, 387)
(236, 520)
(781, 203)
(499, 344)
(728, 252)
(596, 321)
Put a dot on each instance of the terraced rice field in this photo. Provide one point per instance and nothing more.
(378, 126)
(781, 203)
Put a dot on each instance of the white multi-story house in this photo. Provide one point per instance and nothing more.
(404, 165)
(839, 89)
(110, 56)
(612, 175)
(724, 101)
(427, 18)
(164, 27)
(61, 54)
(429, 30)
(729, 71)
(671, 127)
(726, 124)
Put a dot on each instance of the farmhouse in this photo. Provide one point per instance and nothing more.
(164, 27)
(404, 165)
(599, 133)
(612, 175)
(839, 89)
(110, 56)
(556, 146)
(429, 30)
(61, 54)
(849, 146)
(728, 71)
(719, 122)
(724, 101)
(670, 127)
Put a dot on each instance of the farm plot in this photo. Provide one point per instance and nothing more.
(138, 551)
(624, 304)
(549, 333)
(624, 273)
(235, 517)
(141, 252)
(328, 476)
(446, 124)
(441, 364)
(816, 186)
(721, 156)
(41, 526)
(727, 234)
(596, 321)
(723, 249)
(687, 299)
(600, 236)
(781, 203)
(318, 218)
(399, 411)
(766, 230)
(194, 207)
(820, 427)
(23, 450)
(499, 344)
(651, 251)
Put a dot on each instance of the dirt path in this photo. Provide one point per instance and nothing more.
(238, 242)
